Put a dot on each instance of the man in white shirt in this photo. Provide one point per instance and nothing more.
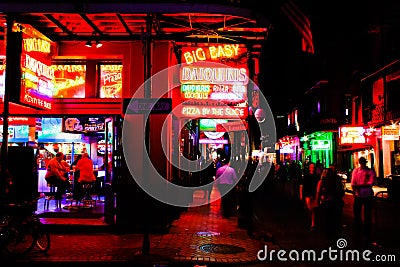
(226, 180)
(363, 179)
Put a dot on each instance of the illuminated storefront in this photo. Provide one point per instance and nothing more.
(320, 147)
(213, 93)
(390, 149)
(354, 142)
(289, 149)
(92, 82)
(87, 84)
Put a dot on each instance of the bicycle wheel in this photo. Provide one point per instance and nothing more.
(42, 237)
(20, 239)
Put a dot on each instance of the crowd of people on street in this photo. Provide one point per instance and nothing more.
(321, 190)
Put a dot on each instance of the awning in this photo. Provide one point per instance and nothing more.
(354, 149)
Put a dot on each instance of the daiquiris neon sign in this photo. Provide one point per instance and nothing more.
(213, 75)
(37, 74)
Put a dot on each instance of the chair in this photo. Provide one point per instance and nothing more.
(99, 188)
(51, 195)
(87, 194)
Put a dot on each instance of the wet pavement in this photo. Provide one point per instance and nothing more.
(202, 237)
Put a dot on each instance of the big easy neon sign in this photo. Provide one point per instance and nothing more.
(214, 90)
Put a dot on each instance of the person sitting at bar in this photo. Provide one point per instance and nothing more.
(86, 175)
(75, 161)
(65, 164)
(55, 175)
(77, 190)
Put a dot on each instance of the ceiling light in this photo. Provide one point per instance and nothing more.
(98, 44)
(88, 44)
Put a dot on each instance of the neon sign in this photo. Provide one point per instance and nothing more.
(195, 91)
(212, 112)
(390, 132)
(286, 150)
(211, 53)
(213, 90)
(37, 45)
(214, 135)
(83, 124)
(69, 81)
(2, 78)
(20, 121)
(213, 141)
(37, 75)
(210, 124)
(111, 81)
(101, 147)
(206, 75)
(227, 93)
(352, 135)
(321, 144)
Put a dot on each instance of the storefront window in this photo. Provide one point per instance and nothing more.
(2, 77)
(110, 83)
(396, 158)
(70, 79)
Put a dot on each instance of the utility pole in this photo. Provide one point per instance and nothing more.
(6, 102)
(147, 94)
(250, 88)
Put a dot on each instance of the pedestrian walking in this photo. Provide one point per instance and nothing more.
(330, 193)
(308, 192)
(207, 177)
(226, 179)
(362, 180)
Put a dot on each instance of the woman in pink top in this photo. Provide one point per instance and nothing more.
(86, 177)
(85, 168)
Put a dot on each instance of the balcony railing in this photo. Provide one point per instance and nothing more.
(393, 115)
(377, 114)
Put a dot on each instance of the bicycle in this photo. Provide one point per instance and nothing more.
(21, 229)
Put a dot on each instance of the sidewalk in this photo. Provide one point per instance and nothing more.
(200, 236)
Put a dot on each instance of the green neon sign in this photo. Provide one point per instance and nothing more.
(321, 144)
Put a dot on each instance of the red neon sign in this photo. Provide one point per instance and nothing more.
(111, 81)
(37, 75)
(69, 81)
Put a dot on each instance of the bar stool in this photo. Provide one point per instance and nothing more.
(51, 195)
(87, 194)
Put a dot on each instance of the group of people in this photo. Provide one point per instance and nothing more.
(58, 169)
(326, 190)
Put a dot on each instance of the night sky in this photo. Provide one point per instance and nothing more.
(347, 39)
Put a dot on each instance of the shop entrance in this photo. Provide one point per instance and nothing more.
(74, 137)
